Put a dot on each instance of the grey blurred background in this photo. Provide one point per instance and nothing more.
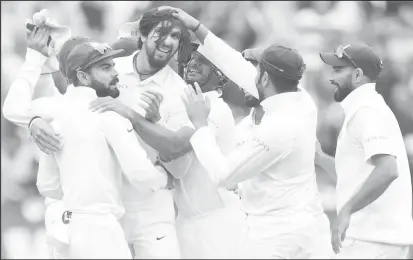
(311, 27)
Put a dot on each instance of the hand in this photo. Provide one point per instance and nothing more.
(44, 136)
(190, 22)
(197, 106)
(152, 101)
(110, 104)
(340, 226)
(37, 40)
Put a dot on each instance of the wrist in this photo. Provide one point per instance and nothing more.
(198, 24)
(200, 123)
(346, 210)
(32, 120)
(35, 57)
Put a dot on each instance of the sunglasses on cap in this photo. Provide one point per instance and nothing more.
(340, 53)
(102, 48)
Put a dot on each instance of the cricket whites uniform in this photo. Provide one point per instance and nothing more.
(149, 222)
(210, 222)
(98, 148)
(201, 212)
(278, 226)
(384, 228)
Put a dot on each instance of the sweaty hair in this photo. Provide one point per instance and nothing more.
(153, 17)
(281, 82)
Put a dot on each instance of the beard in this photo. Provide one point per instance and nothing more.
(155, 62)
(342, 91)
(103, 90)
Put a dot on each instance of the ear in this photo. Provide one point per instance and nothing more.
(83, 77)
(265, 79)
(144, 38)
(358, 75)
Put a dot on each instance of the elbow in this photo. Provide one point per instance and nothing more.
(7, 111)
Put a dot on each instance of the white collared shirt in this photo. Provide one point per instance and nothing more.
(371, 128)
(274, 162)
(189, 173)
(195, 194)
(97, 147)
(271, 158)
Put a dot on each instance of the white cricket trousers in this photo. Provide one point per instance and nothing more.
(217, 234)
(357, 249)
(323, 248)
(280, 237)
(96, 236)
(158, 241)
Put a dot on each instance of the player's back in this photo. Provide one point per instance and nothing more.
(90, 174)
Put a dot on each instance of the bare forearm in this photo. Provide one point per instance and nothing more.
(201, 33)
(169, 144)
(375, 185)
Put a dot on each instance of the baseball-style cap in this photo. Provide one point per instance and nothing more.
(286, 61)
(81, 53)
(357, 55)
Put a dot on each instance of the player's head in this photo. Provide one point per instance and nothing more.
(353, 65)
(85, 62)
(279, 70)
(162, 36)
(199, 69)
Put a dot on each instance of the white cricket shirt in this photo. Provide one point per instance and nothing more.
(371, 128)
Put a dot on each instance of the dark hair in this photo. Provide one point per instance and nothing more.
(282, 83)
(152, 18)
(74, 79)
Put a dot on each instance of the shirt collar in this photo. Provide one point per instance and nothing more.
(159, 77)
(81, 92)
(358, 96)
(278, 101)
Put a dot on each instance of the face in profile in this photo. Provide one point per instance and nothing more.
(104, 78)
(162, 43)
(341, 77)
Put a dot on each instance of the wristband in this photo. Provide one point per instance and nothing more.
(196, 28)
(31, 121)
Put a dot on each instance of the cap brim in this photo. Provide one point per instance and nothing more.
(109, 54)
(333, 60)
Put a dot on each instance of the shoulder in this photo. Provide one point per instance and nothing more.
(113, 120)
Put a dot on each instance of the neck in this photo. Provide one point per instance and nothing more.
(142, 66)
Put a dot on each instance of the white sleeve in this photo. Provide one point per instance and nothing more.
(373, 131)
(132, 158)
(249, 158)
(48, 177)
(17, 106)
(230, 62)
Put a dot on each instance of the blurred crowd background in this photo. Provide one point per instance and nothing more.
(309, 26)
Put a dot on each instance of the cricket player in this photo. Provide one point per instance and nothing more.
(322, 248)
(197, 201)
(150, 221)
(275, 160)
(374, 195)
(97, 147)
(209, 222)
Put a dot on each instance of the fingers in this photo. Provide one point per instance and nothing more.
(198, 90)
(150, 99)
(335, 241)
(46, 144)
(153, 95)
(207, 101)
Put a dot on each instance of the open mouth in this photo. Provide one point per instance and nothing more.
(164, 49)
(194, 70)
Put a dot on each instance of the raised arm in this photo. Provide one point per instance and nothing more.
(223, 56)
